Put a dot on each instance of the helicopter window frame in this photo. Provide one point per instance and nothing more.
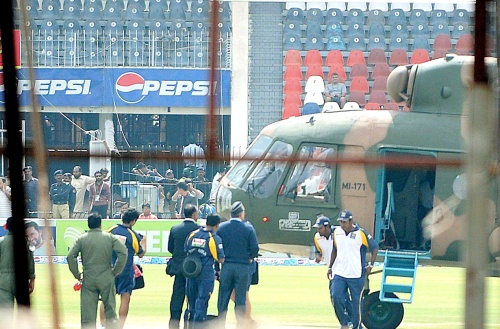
(304, 175)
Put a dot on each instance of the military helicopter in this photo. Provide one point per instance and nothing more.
(412, 201)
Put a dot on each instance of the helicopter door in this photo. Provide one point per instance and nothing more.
(404, 196)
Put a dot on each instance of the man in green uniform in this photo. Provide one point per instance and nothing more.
(98, 279)
(7, 275)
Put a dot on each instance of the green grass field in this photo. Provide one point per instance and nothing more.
(286, 296)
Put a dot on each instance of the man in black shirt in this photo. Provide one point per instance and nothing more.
(59, 195)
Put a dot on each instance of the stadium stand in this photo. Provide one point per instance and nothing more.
(380, 83)
(310, 108)
(333, 29)
(314, 15)
(72, 10)
(133, 11)
(135, 30)
(292, 99)
(339, 69)
(376, 55)
(460, 29)
(334, 57)
(335, 43)
(293, 57)
(91, 11)
(419, 56)
(421, 42)
(378, 96)
(465, 44)
(355, 15)
(356, 42)
(391, 106)
(50, 10)
(359, 70)
(420, 29)
(396, 16)
(376, 29)
(295, 15)
(293, 86)
(439, 16)
(313, 57)
(381, 70)
(315, 84)
(355, 28)
(292, 73)
(314, 41)
(376, 42)
(398, 42)
(418, 16)
(140, 3)
(334, 15)
(355, 57)
(461, 16)
(314, 70)
(290, 110)
(359, 84)
(291, 28)
(440, 28)
(330, 107)
(357, 97)
(442, 42)
(316, 5)
(399, 56)
(375, 16)
(180, 58)
(314, 97)
(372, 106)
(112, 10)
(313, 28)
(156, 11)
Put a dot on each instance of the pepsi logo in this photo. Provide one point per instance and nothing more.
(129, 87)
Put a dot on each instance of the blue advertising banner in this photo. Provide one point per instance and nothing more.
(122, 87)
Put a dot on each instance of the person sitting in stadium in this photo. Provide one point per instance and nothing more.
(146, 212)
(335, 91)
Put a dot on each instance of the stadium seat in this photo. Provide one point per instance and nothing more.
(357, 5)
(334, 57)
(442, 41)
(357, 42)
(399, 56)
(71, 26)
(313, 28)
(71, 57)
(376, 56)
(396, 16)
(419, 56)
(405, 6)
(355, 57)
(339, 69)
(114, 27)
(381, 70)
(136, 56)
(135, 30)
(359, 70)
(295, 15)
(400, 29)
(179, 58)
(316, 5)
(114, 57)
(134, 11)
(445, 6)
(314, 41)
(391, 106)
(314, 15)
(157, 28)
(292, 73)
(377, 29)
(359, 84)
(177, 9)
(465, 45)
(420, 29)
(313, 57)
(290, 110)
(224, 29)
(292, 58)
(92, 28)
(49, 29)
(140, 3)
(376, 42)
(439, 53)
(439, 16)
(314, 70)
(459, 29)
(77, 3)
(424, 6)
(91, 11)
(355, 28)
(336, 4)
(199, 57)
(156, 11)
(375, 16)
(355, 15)
(200, 8)
(378, 96)
(335, 43)
(333, 29)
(112, 11)
(31, 8)
(292, 99)
(351, 106)
(315, 84)
(461, 16)
(380, 83)
(398, 42)
(314, 97)
(158, 56)
(356, 97)
(72, 10)
(291, 28)
(334, 15)
(330, 107)
(50, 9)
(97, 3)
(421, 42)
(418, 16)
(292, 86)
(370, 106)
(440, 28)
(116, 3)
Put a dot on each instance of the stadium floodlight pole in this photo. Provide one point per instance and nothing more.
(480, 144)
(14, 152)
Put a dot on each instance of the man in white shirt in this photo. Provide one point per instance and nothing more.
(194, 156)
(216, 182)
(80, 183)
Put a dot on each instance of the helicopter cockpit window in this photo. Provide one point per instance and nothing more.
(312, 175)
(264, 179)
(256, 150)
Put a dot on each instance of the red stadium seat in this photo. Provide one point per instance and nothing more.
(313, 58)
(419, 56)
(465, 45)
(380, 83)
(442, 42)
(356, 57)
(376, 56)
(378, 96)
(391, 106)
(292, 72)
(372, 106)
(359, 84)
(292, 58)
(292, 99)
(339, 69)
(439, 53)
(290, 110)
(359, 70)
(315, 70)
(334, 57)
(398, 57)
(292, 86)
(358, 97)
(381, 70)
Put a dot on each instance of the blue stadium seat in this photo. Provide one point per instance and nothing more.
(376, 42)
(314, 41)
(48, 54)
(50, 9)
(158, 29)
(97, 3)
(72, 10)
(224, 30)
(314, 15)
(224, 10)
(177, 9)
(115, 3)
(355, 28)
(460, 29)
(32, 9)
(376, 16)
(77, 3)
(91, 11)
(399, 29)
(291, 28)
(418, 16)
(420, 29)
(461, 16)
(355, 16)
(159, 57)
(114, 27)
(156, 11)
(114, 56)
(49, 29)
(179, 33)
(335, 42)
(92, 28)
(377, 29)
(310, 108)
(135, 30)
(421, 42)
(91, 57)
(295, 15)
(199, 57)
(179, 58)
(333, 28)
(136, 54)
(439, 16)
(357, 42)
(71, 55)
(200, 10)
(200, 30)
(134, 11)
(398, 41)
(140, 3)
(292, 42)
(112, 11)
(334, 15)
(440, 28)
(161, 3)
(70, 28)
(313, 28)
(396, 16)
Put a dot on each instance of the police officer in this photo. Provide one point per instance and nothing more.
(176, 241)
(59, 195)
(240, 247)
(206, 244)
(98, 278)
(7, 271)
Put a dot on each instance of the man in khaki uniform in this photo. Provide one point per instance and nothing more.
(98, 279)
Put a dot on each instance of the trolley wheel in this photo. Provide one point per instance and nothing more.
(381, 315)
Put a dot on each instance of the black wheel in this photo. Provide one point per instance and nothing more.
(381, 315)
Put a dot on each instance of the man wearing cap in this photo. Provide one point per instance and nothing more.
(176, 241)
(240, 247)
(30, 184)
(350, 245)
(59, 195)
